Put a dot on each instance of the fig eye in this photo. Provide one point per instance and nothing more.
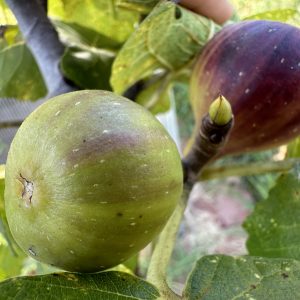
(27, 192)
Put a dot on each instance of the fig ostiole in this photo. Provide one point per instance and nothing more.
(256, 66)
(91, 179)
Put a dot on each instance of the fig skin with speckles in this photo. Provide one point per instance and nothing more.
(256, 66)
(91, 179)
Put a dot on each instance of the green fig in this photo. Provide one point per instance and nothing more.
(91, 179)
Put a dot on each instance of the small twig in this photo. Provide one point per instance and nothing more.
(217, 172)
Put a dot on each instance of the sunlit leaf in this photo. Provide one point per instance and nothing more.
(6, 16)
(20, 75)
(143, 6)
(168, 39)
(281, 15)
(103, 16)
(281, 10)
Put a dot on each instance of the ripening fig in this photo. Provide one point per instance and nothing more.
(91, 179)
(256, 66)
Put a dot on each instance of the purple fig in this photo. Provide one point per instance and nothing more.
(256, 66)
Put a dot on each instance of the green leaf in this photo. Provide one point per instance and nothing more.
(281, 10)
(156, 97)
(293, 149)
(88, 69)
(73, 34)
(10, 265)
(282, 15)
(10, 36)
(168, 39)
(67, 286)
(220, 277)
(20, 76)
(273, 227)
(143, 6)
(103, 16)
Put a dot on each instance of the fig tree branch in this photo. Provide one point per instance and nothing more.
(42, 39)
(44, 4)
(211, 138)
(256, 168)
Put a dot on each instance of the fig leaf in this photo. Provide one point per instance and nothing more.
(282, 15)
(73, 34)
(108, 285)
(156, 97)
(273, 227)
(20, 76)
(100, 15)
(86, 68)
(143, 6)
(168, 39)
(10, 263)
(282, 10)
(293, 149)
(6, 16)
(223, 277)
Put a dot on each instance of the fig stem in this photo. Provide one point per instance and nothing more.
(216, 172)
(210, 140)
(157, 271)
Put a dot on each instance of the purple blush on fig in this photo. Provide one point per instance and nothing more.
(256, 66)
